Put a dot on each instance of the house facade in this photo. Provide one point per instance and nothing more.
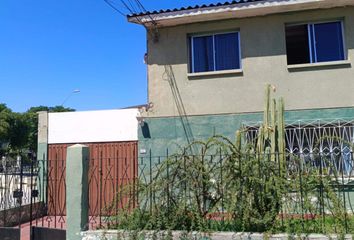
(208, 66)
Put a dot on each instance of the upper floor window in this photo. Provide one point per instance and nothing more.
(215, 52)
(316, 42)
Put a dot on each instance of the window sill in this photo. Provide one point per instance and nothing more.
(215, 73)
(344, 63)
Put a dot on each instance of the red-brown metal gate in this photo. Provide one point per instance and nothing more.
(112, 167)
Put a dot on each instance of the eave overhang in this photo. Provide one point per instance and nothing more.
(237, 10)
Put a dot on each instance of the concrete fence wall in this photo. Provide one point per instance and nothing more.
(176, 235)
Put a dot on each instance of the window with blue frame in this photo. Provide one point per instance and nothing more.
(215, 52)
(315, 42)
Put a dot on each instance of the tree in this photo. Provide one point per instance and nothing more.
(32, 120)
(57, 108)
(60, 109)
(20, 130)
(5, 113)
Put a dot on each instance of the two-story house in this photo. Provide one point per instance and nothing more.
(208, 66)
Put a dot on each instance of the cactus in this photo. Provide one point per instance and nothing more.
(271, 133)
(267, 113)
(281, 131)
(273, 136)
(238, 141)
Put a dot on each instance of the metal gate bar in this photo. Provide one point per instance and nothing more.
(40, 233)
(10, 233)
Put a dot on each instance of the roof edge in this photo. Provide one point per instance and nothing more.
(231, 10)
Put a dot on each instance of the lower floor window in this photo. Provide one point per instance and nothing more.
(323, 146)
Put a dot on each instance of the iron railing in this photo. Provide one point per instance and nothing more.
(117, 184)
(311, 179)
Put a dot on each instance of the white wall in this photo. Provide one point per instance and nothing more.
(93, 126)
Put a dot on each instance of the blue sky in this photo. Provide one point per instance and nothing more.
(48, 48)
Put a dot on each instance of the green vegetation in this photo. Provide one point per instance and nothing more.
(18, 131)
(222, 191)
(237, 186)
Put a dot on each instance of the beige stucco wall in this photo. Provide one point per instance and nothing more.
(263, 60)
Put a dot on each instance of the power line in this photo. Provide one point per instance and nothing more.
(143, 9)
(127, 7)
(134, 7)
(154, 33)
(141, 6)
(170, 77)
(115, 8)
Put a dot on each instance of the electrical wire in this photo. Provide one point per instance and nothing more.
(134, 8)
(127, 7)
(143, 9)
(115, 8)
(113, 5)
(140, 6)
(170, 77)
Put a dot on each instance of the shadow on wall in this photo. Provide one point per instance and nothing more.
(145, 130)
